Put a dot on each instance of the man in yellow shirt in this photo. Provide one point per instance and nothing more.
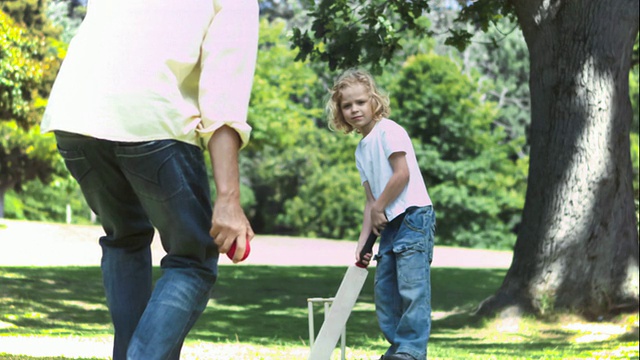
(145, 86)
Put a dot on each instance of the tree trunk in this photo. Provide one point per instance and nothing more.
(577, 248)
(2, 191)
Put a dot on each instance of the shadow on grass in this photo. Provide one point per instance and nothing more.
(54, 300)
(257, 304)
(267, 305)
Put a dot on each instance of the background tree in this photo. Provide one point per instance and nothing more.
(58, 200)
(282, 113)
(294, 165)
(328, 202)
(635, 98)
(67, 15)
(501, 56)
(56, 23)
(26, 59)
(469, 165)
(577, 246)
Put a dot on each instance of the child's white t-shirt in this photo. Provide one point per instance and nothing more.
(372, 160)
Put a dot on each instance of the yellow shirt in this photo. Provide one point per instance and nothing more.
(141, 70)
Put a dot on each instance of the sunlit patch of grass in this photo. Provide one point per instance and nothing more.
(83, 305)
(244, 351)
(530, 338)
(298, 312)
(594, 332)
(6, 325)
(11, 274)
(623, 351)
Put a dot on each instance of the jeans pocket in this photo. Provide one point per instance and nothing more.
(80, 168)
(416, 220)
(152, 168)
(76, 163)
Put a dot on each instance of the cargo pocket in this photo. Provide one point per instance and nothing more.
(412, 262)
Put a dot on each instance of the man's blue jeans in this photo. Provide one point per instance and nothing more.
(134, 187)
(403, 282)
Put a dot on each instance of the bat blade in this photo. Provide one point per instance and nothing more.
(335, 321)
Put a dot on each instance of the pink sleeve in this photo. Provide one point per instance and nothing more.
(229, 52)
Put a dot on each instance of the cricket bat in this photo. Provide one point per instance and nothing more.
(343, 303)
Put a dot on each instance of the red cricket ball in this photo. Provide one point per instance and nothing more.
(232, 251)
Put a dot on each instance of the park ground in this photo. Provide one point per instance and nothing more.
(30, 247)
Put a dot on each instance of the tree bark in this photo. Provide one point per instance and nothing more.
(577, 248)
(2, 192)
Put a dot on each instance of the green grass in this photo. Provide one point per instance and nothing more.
(260, 312)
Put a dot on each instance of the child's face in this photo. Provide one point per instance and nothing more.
(356, 108)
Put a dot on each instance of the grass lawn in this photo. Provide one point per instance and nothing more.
(260, 312)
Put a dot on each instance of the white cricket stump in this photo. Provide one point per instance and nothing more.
(326, 302)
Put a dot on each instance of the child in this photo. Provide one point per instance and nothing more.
(398, 209)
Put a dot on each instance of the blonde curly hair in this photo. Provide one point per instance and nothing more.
(379, 99)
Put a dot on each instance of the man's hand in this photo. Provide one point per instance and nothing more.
(229, 224)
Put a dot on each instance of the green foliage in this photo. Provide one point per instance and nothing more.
(347, 33)
(351, 33)
(25, 57)
(303, 177)
(29, 13)
(20, 72)
(48, 202)
(280, 107)
(329, 202)
(64, 15)
(24, 155)
(501, 55)
(30, 17)
(281, 114)
(472, 172)
(482, 14)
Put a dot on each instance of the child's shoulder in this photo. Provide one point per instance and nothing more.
(389, 122)
(390, 125)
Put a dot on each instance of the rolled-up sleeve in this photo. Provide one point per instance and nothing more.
(228, 61)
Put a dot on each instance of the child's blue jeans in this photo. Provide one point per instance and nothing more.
(134, 187)
(403, 282)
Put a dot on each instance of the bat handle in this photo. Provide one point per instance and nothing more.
(366, 249)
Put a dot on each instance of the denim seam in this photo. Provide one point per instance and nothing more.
(128, 151)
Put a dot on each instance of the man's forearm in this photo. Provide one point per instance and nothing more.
(229, 224)
(223, 149)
